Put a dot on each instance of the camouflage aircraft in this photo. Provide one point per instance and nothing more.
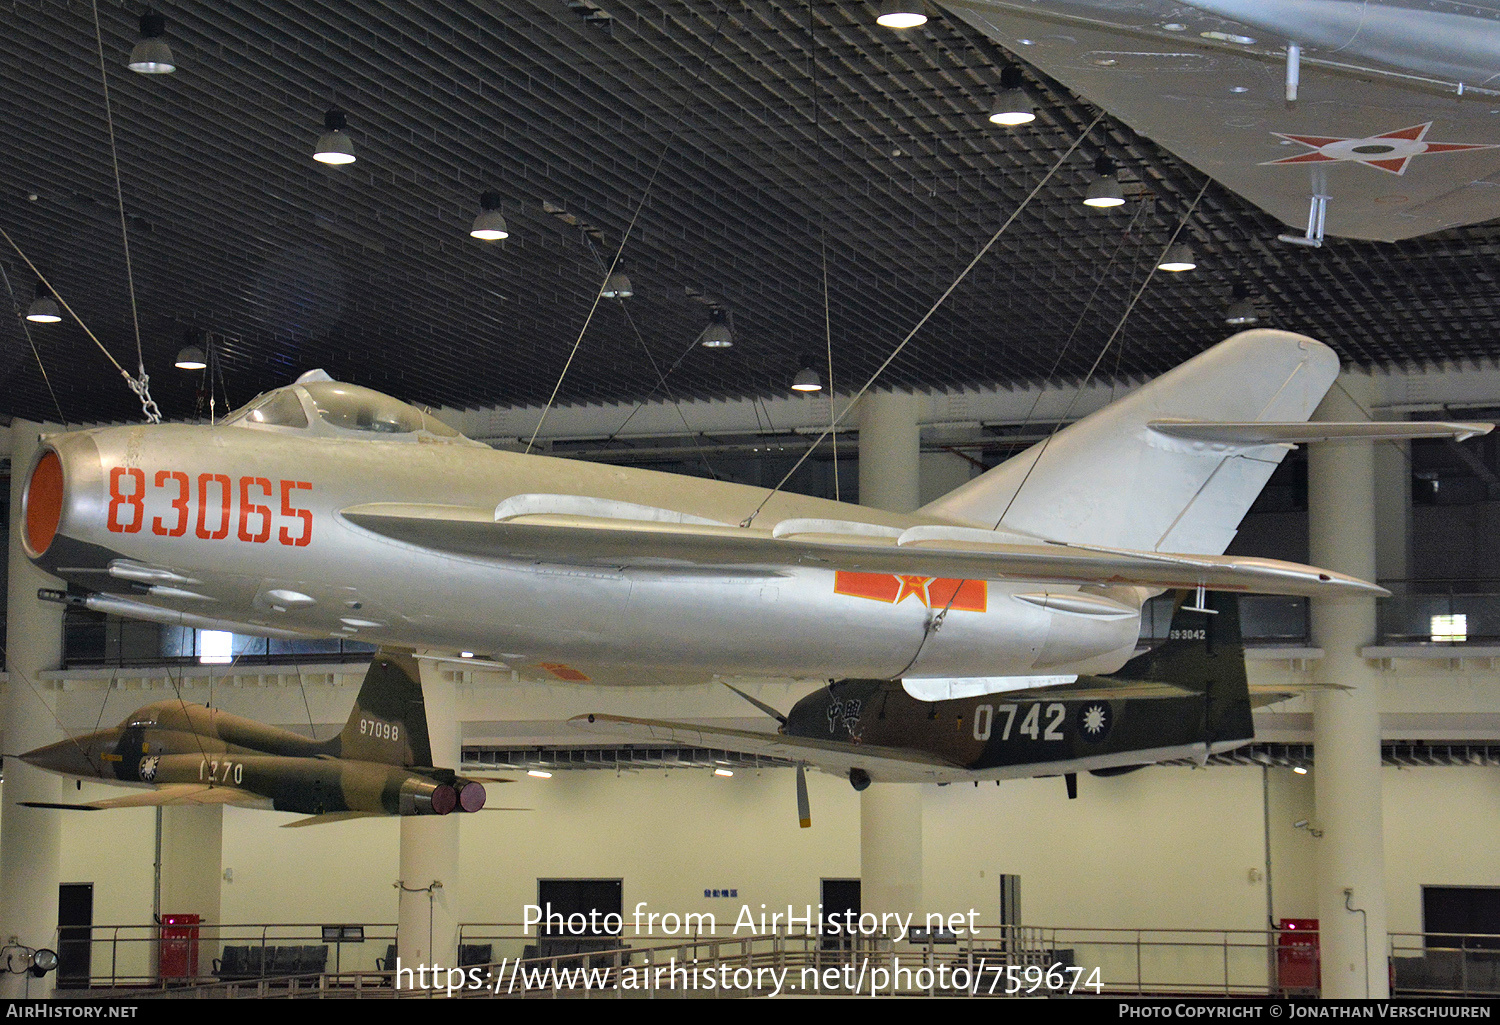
(1187, 698)
(184, 754)
(327, 509)
(1368, 119)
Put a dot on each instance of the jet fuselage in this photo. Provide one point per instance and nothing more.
(242, 524)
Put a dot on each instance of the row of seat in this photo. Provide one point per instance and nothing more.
(257, 962)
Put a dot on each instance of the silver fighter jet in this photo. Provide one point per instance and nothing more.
(326, 509)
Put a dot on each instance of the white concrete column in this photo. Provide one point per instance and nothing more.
(192, 868)
(1346, 724)
(1392, 510)
(890, 814)
(427, 919)
(890, 449)
(30, 838)
(941, 472)
(890, 849)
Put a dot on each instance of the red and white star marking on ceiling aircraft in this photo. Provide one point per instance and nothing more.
(1209, 80)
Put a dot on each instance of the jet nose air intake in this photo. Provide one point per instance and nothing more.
(43, 502)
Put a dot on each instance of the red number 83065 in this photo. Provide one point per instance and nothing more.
(216, 498)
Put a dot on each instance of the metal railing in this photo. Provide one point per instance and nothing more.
(144, 957)
(1445, 964)
(994, 961)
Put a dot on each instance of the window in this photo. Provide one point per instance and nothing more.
(359, 409)
(215, 647)
(281, 408)
(1452, 629)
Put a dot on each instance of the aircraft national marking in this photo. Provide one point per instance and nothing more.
(1389, 151)
(933, 592)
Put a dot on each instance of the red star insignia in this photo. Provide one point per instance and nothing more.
(1390, 151)
(915, 586)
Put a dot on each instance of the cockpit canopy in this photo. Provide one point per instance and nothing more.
(317, 402)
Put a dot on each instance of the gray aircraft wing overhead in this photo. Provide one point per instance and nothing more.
(1395, 119)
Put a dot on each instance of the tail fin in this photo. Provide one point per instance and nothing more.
(1204, 654)
(389, 721)
(1109, 479)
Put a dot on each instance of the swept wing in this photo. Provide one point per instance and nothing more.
(956, 552)
(168, 795)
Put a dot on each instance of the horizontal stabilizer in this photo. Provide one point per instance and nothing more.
(1263, 694)
(1251, 435)
(962, 553)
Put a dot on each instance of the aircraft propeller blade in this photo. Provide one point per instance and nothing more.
(760, 705)
(804, 811)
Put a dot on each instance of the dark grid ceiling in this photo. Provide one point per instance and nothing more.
(747, 132)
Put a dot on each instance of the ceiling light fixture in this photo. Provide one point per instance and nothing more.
(807, 380)
(43, 309)
(334, 145)
(539, 773)
(617, 286)
(717, 334)
(1178, 259)
(490, 225)
(151, 55)
(1104, 191)
(901, 14)
(190, 357)
(1242, 311)
(1014, 105)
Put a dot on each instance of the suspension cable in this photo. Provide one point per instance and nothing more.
(925, 317)
(140, 385)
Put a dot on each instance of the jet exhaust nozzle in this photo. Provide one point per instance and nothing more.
(444, 799)
(471, 795)
(421, 796)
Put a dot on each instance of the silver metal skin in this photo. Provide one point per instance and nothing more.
(328, 510)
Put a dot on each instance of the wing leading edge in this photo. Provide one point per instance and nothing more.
(935, 550)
